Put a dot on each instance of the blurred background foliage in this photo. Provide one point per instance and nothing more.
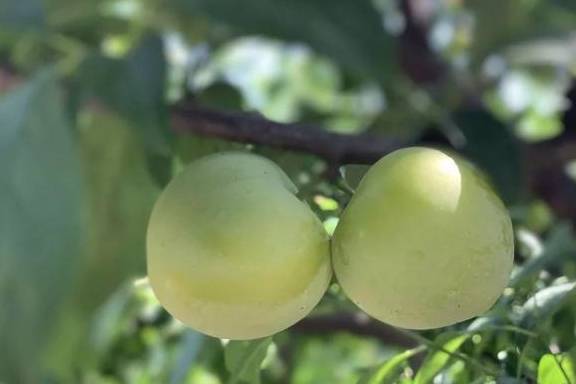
(86, 88)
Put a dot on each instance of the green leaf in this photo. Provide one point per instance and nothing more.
(560, 245)
(388, 372)
(191, 344)
(491, 146)
(192, 147)
(438, 359)
(220, 95)
(134, 87)
(120, 196)
(459, 373)
(514, 21)
(104, 325)
(569, 5)
(40, 222)
(340, 358)
(539, 127)
(244, 359)
(553, 51)
(557, 369)
(546, 302)
(350, 32)
(353, 174)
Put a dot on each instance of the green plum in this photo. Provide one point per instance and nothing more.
(232, 252)
(424, 242)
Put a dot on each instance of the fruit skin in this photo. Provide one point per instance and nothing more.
(232, 252)
(424, 242)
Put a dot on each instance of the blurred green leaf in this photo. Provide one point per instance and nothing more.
(244, 359)
(388, 372)
(514, 21)
(220, 95)
(133, 86)
(557, 51)
(40, 223)
(491, 146)
(353, 174)
(190, 347)
(120, 197)
(326, 203)
(538, 127)
(438, 359)
(105, 325)
(191, 147)
(339, 358)
(350, 32)
(458, 373)
(569, 5)
(532, 100)
(559, 245)
(330, 225)
(509, 20)
(546, 302)
(557, 369)
(21, 15)
(160, 168)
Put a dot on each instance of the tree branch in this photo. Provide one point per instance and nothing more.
(417, 58)
(545, 161)
(335, 148)
(355, 323)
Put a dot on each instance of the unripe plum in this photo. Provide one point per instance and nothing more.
(424, 242)
(232, 252)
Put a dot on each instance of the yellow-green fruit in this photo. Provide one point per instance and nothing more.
(424, 242)
(232, 252)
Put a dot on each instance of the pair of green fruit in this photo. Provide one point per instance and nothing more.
(233, 253)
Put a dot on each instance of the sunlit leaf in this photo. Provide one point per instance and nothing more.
(557, 369)
(119, 195)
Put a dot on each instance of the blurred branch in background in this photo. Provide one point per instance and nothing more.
(545, 161)
(415, 54)
(358, 324)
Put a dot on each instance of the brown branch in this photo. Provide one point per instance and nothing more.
(355, 323)
(417, 58)
(545, 162)
(335, 148)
